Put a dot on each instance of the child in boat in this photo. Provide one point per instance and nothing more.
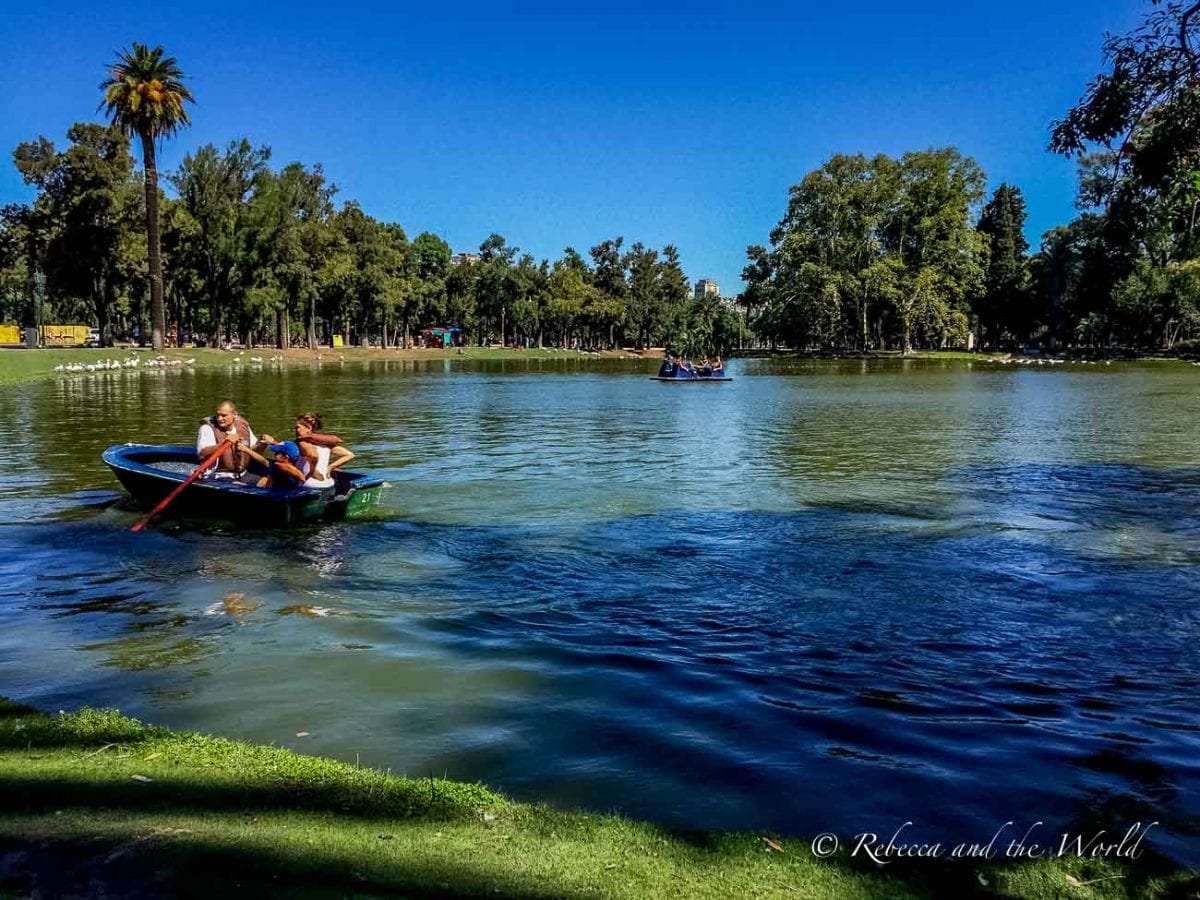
(288, 470)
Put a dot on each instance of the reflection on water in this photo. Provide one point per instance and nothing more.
(136, 653)
(821, 597)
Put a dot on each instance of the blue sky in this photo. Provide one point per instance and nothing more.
(555, 125)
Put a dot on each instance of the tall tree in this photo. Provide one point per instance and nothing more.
(568, 294)
(292, 242)
(144, 95)
(215, 189)
(755, 300)
(873, 242)
(20, 251)
(931, 234)
(496, 290)
(1000, 308)
(429, 267)
(673, 291)
(644, 297)
(83, 205)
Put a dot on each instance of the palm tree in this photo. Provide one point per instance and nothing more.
(144, 95)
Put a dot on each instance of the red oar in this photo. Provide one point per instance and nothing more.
(145, 520)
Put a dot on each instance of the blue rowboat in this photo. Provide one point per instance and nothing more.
(149, 473)
(690, 379)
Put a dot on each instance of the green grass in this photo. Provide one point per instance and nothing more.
(31, 365)
(875, 354)
(946, 354)
(95, 803)
(20, 365)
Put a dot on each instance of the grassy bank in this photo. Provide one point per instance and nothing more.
(18, 365)
(92, 803)
(30, 365)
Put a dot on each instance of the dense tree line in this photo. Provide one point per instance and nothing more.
(871, 253)
(266, 255)
(888, 253)
(262, 255)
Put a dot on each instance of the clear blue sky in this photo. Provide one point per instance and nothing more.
(556, 126)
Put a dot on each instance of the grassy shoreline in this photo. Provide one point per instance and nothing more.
(92, 802)
(21, 365)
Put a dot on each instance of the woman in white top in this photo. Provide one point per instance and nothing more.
(321, 454)
(325, 454)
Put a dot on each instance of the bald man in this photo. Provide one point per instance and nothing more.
(215, 430)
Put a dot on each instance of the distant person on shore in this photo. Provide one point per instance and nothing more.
(222, 427)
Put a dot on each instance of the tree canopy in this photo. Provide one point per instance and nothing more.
(257, 253)
(872, 253)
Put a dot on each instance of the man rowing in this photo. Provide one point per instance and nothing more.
(229, 434)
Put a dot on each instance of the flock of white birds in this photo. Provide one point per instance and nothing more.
(158, 362)
(1027, 361)
(131, 362)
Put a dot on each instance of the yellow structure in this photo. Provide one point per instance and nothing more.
(337, 340)
(64, 335)
(10, 334)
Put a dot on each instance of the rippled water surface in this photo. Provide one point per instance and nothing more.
(823, 597)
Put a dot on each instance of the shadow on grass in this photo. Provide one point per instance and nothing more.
(136, 849)
(145, 867)
(77, 818)
(424, 800)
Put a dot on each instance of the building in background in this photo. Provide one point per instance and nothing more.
(459, 259)
(706, 287)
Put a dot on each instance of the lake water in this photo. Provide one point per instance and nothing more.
(823, 597)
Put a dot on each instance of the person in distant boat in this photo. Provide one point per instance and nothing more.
(718, 367)
(667, 369)
(215, 431)
(705, 367)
